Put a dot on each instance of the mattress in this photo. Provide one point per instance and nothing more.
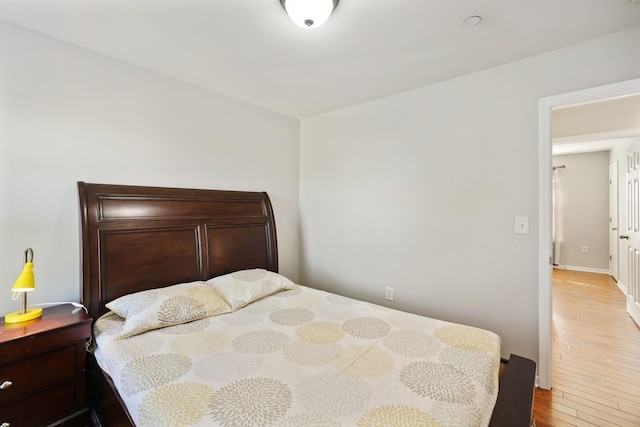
(304, 357)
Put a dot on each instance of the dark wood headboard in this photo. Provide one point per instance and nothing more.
(136, 238)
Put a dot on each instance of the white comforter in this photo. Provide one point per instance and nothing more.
(304, 358)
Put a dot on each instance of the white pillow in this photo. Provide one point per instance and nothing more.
(246, 286)
(172, 305)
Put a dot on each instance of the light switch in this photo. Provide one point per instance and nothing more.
(522, 225)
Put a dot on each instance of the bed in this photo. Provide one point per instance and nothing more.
(293, 355)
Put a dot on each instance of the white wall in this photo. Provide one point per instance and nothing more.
(67, 114)
(599, 117)
(419, 190)
(582, 194)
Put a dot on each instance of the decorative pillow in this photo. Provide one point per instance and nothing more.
(161, 307)
(246, 286)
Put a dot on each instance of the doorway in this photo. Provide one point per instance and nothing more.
(581, 209)
(545, 261)
(614, 234)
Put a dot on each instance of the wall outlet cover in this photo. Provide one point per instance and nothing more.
(388, 293)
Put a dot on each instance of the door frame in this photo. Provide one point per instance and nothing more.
(545, 107)
(614, 207)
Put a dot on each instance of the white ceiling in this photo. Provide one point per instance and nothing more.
(248, 49)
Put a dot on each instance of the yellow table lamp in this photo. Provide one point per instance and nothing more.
(25, 283)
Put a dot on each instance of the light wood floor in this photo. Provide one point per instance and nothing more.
(596, 356)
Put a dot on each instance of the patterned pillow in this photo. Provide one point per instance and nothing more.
(246, 286)
(161, 307)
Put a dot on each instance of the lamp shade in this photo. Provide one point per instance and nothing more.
(309, 13)
(26, 281)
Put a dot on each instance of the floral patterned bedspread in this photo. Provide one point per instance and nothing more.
(304, 357)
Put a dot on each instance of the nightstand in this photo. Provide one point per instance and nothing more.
(42, 369)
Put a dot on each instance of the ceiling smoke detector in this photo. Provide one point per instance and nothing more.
(472, 21)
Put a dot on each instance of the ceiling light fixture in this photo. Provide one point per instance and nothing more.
(309, 13)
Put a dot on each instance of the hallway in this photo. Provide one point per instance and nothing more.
(596, 356)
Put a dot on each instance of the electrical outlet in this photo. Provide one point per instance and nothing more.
(388, 293)
(585, 249)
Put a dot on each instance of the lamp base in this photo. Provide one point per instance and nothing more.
(19, 316)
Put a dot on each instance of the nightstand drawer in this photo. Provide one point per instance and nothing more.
(44, 361)
(37, 373)
(39, 409)
(34, 345)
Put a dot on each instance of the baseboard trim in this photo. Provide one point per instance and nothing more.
(633, 309)
(622, 287)
(585, 269)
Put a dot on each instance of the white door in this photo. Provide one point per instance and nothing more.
(613, 220)
(632, 229)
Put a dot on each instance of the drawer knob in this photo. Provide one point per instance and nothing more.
(5, 385)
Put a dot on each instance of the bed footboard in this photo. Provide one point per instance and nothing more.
(514, 406)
